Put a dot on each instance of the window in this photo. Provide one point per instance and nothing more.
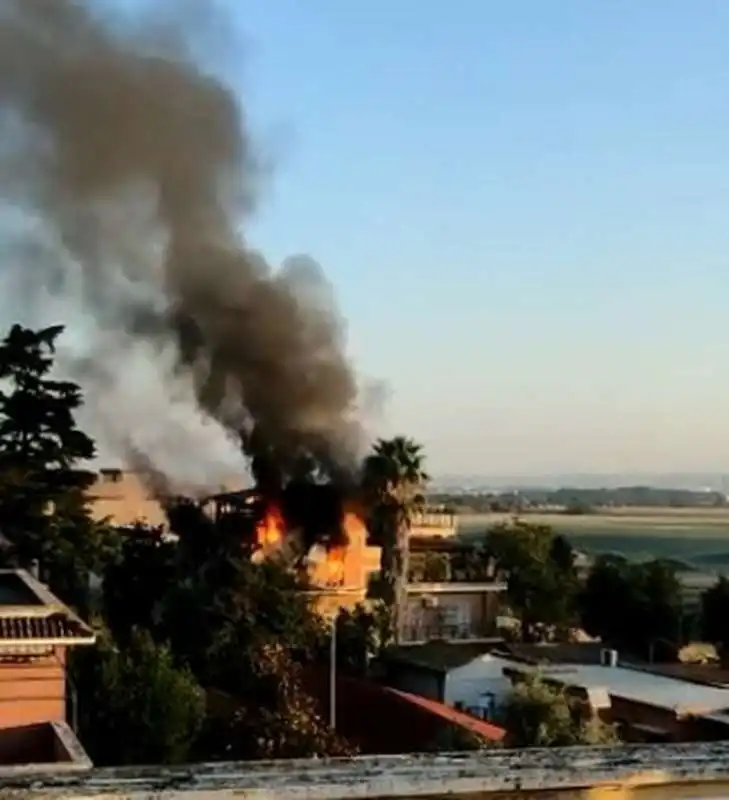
(111, 475)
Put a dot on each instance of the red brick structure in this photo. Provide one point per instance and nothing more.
(36, 630)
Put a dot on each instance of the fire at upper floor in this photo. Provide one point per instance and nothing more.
(330, 538)
(343, 563)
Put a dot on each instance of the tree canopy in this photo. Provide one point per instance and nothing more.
(715, 615)
(542, 581)
(634, 606)
(138, 706)
(180, 621)
(43, 512)
(537, 714)
(242, 629)
(393, 480)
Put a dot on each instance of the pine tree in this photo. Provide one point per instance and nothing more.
(43, 512)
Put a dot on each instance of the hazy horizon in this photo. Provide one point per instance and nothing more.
(695, 481)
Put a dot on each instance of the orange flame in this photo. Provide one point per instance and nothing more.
(354, 527)
(272, 528)
(333, 566)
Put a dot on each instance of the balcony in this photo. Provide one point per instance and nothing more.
(434, 524)
(464, 632)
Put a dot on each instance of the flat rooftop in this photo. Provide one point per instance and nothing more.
(442, 656)
(640, 687)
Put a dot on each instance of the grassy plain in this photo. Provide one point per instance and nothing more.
(638, 521)
(698, 537)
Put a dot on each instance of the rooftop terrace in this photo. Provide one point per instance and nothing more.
(666, 771)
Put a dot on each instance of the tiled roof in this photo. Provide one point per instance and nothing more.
(33, 628)
(378, 719)
(486, 730)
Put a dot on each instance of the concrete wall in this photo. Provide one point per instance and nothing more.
(485, 674)
(354, 566)
(34, 692)
(666, 772)
(123, 498)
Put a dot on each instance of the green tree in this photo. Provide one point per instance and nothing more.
(394, 478)
(43, 511)
(272, 714)
(473, 563)
(542, 581)
(221, 602)
(715, 614)
(537, 714)
(241, 628)
(137, 583)
(245, 628)
(137, 706)
(635, 607)
(436, 567)
(358, 638)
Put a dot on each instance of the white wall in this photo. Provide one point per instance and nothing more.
(485, 674)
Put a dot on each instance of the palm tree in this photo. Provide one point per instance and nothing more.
(393, 481)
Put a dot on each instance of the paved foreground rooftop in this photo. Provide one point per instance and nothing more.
(665, 771)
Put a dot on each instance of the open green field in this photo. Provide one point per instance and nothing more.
(698, 537)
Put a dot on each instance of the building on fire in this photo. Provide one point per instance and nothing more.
(342, 573)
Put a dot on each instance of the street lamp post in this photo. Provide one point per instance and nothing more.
(333, 676)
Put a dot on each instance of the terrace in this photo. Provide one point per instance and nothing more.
(663, 771)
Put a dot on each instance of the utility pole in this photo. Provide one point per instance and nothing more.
(333, 675)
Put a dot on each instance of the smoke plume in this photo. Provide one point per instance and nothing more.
(125, 173)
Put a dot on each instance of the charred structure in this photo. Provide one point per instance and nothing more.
(316, 514)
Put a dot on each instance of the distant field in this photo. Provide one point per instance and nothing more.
(698, 537)
(642, 521)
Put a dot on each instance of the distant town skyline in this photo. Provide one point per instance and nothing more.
(691, 481)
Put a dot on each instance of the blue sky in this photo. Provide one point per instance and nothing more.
(523, 206)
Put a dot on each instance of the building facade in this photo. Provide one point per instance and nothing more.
(454, 611)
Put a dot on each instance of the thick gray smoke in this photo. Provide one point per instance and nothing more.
(125, 173)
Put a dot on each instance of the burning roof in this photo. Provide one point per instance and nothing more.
(310, 522)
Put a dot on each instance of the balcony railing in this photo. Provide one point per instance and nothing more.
(464, 632)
